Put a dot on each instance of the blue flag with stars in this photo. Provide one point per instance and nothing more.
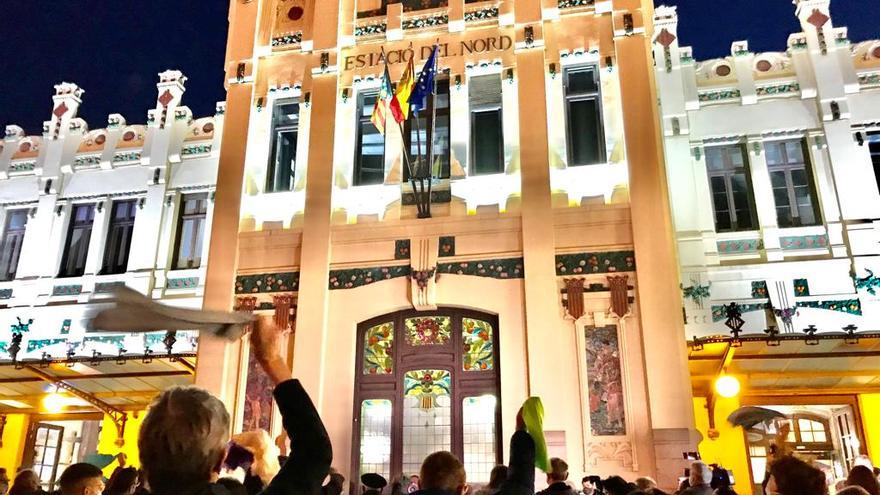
(424, 84)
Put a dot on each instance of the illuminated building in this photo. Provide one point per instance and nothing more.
(83, 211)
(550, 189)
(775, 203)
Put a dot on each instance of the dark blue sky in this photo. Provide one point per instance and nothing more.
(115, 49)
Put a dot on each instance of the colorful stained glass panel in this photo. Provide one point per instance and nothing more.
(378, 349)
(376, 437)
(429, 330)
(479, 352)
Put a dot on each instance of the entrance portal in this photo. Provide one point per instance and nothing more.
(426, 381)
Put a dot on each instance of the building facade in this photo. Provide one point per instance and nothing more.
(84, 211)
(417, 334)
(771, 161)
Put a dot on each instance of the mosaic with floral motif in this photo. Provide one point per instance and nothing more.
(851, 306)
(428, 330)
(427, 385)
(500, 268)
(801, 287)
(605, 382)
(759, 289)
(267, 282)
(357, 277)
(478, 348)
(611, 261)
(803, 241)
(378, 349)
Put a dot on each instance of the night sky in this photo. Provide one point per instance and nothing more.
(114, 50)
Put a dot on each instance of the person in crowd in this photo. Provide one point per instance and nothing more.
(646, 484)
(442, 474)
(183, 439)
(615, 485)
(852, 490)
(792, 476)
(721, 482)
(122, 482)
(414, 484)
(4, 481)
(590, 485)
(81, 478)
(861, 475)
(521, 465)
(700, 477)
(232, 486)
(556, 479)
(26, 483)
(496, 478)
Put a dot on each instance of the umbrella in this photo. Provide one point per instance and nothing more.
(749, 416)
(374, 481)
(99, 460)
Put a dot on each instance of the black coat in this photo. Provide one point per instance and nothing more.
(558, 488)
(521, 468)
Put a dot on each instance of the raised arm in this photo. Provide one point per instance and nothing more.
(311, 452)
(521, 468)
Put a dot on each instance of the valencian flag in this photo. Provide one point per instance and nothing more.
(380, 110)
(424, 84)
(400, 102)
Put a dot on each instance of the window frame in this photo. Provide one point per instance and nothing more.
(361, 121)
(110, 251)
(428, 145)
(569, 97)
(181, 219)
(727, 174)
(72, 227)
(272, 164)
(448, 356)
(787, 167)
(486, 108)
(8, 273)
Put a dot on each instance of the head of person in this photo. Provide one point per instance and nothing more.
(701, 474)
(4, 481)
(182, 440)
(852, 490)
(232, 485)
(792, 476)
(558, 471)
(646, 484)
(81, 479)
(720, 478)
(589, 484)
(26, 482)
(123, 482)
(863, 476)
(443, 471)
(615, 485)
(497, 476)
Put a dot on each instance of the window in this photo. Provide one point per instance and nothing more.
(874, 148)
(487, 138)
(416, 133)
(282, 162)
(426, 382)
(369, 163)
(731, 187)
(10, 249)
(79, 232)
(44, 446)
(586, 142)
(190, 230)
(792, 182)
(119, 237)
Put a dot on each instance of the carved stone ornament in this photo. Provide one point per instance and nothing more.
(574, 297)
(619, 294)
(283, 317)
(423, 273)
(614, 450)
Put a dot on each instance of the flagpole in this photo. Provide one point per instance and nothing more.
(433, 126)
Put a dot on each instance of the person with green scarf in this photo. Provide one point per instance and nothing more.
(527, 450)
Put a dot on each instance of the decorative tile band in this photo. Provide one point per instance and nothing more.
(498, 268)
(486, 13)
(357, 277)
(585, 263)
(425, 22)
(778, 89)
(182, 283)
(22, 166)
(759, 289)
(288, 39)
(792, 242)
(869, 79)
(851, 306)
(34, 345)
(106, 287)
(739, 246)
(130, 156)
(195, 149)
(67, 290)
(117, 340)
(719, 313)
(371, 29)
(565, 4)
(87, 161)
(718, 95)
(447, 246)
(402, 249)
(801, 287)
(5, 293)
(267, 282)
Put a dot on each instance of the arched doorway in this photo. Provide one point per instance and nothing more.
(426, 381)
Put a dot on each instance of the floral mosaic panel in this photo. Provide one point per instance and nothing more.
(479, 351)
(106, 287)
(428, 330)
(267, 282)
(801, 287)
(500, 268)
(447, 246)
(401, 249)
(117, 340)
(65, 327)
(739, 246)
(604, 379)
(378, 349)
(759, 289)
(431, 383)
(803, 242)
(606, 262)
(357, 277)
(5, 293)
(34, 345)
(182, 283)
(851, 306)
(67, 290)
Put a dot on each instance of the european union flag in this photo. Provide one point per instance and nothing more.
(424, 84)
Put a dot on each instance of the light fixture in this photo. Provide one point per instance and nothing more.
(53, 402)
(727, 386)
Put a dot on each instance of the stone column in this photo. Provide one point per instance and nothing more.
(658, 295)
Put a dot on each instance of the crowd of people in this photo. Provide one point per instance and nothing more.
(184, 447)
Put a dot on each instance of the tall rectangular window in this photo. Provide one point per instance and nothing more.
(487, 137)
(583, 112)
(731, 187)
(79, 232)
(10, 248)
(369, 161)
(190, 231)
(874, 149)
(282, 162)
(793, 190)
(118, 245)
(432, 121)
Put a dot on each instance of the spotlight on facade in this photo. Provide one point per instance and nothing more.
(53, 403)
(727, 386)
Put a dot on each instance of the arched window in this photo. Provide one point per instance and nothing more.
(426, 381)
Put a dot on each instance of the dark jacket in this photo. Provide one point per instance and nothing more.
(521, 468)
(558, 488)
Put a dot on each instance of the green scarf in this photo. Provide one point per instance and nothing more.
(533, 417)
